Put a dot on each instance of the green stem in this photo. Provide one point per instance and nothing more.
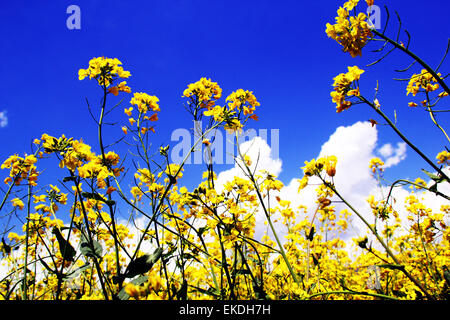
(225, 265)
(24, 285)
(7, 194)
(415, 57)
(400, 134)
(111, 211)
(433, 118)
(91, 243)
(417, 185)
(58, 290)
(283, 254)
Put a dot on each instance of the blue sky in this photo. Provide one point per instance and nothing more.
(279, 50)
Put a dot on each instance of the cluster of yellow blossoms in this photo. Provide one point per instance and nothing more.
(20, 169)
(243, 101)
(76, 155)
(100, 169)
(443, 157)
(315, 167)
(205, 91)
(204, 94)
(105, 71)
(121, 87)
(424, 81)
(54, 195)
(342, 88)
(144, 103)
(352, 32)
(376, 164)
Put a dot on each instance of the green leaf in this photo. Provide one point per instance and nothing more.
(211, 291)
(363, 243)
(67, 251)
(433, 188)
(167, 256)
(182, 293)
(6, 247)
(391, 266)
(46, 266)
(110, 202)
(123, 295)
(66, 179)
(400, 294)
(91, 252)
(202, 230)
(310, 236)
(241, 272)
(142, 264)
(187, 256)
(98, 197)
(433, 176)
(94, 196)
(315, 260)
(77, 271)
(8, 295)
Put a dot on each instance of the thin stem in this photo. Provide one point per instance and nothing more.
(417, 185)
(433, 118)
(58, 290)
(86, 221)
(24, 285)
(269, 220)
(415, 57)
(111, 211)
(7, 193)
(400, 134)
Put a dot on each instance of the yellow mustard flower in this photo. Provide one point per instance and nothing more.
(205, 91)
(104, 70)
(144, 102)
(16, 202)
(342, 88)
(424, 81)
(352, 32)
(376, 164)
(443, 157)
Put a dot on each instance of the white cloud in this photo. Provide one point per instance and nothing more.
(399, 154)
(386, 150)
(260, 154)
(353, 146)
(3, 119)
